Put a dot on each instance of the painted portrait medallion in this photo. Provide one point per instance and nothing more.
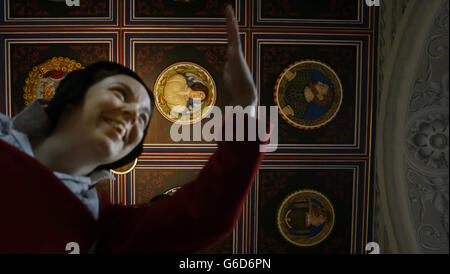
(43, 79)
(305, 218)
(183, 93)
(308, 94)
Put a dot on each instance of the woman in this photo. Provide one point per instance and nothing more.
(98, 125)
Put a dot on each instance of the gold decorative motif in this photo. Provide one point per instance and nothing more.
(308, 94)
(126, 168)
(43, 79)
(305, 218)
(172, 191)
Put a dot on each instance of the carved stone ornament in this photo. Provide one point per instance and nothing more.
(412, 165)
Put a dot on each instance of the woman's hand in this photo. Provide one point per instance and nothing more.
(237, 77)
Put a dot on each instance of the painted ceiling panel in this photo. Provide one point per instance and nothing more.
(314, 193)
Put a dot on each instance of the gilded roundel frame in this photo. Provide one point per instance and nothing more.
(284, 218)
(289, 77)
(44, 78)
(201, 76)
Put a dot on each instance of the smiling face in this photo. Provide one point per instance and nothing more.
(111, 119)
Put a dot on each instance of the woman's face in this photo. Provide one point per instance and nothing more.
(112, 117)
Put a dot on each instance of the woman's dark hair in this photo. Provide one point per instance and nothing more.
(73, 87)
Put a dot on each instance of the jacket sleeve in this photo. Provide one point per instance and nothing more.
(39, 214)
(199, 214)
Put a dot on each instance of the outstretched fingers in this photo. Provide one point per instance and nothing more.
(232, 29)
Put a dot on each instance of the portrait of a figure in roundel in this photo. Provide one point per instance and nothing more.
(184, 91)
(305, 218)
(309, 94)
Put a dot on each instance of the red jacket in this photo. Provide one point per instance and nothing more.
(40, 215)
